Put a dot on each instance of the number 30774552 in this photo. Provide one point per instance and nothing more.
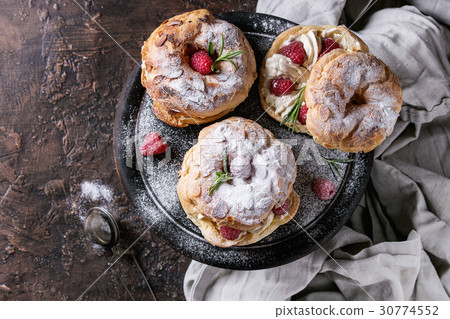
(409, 310)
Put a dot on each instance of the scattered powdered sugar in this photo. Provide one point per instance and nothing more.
(161, 173)
(159, 205)
(270, 25)
(270, 165)
(92, 194)
(96, 191)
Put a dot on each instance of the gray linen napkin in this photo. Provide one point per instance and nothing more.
(397, 243)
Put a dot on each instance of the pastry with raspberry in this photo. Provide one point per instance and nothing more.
(287, 66)
(226, 190)
(196, 68)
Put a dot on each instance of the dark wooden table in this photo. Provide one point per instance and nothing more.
(61, 77)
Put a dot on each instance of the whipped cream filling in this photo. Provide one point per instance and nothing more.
(263, 227)
(278, 66)
(267, 223)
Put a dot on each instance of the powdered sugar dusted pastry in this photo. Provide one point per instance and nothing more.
(286, 68)
(353, 100)
(182, 91)
(236, 183)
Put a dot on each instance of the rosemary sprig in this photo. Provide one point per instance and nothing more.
(292, 116)
(334, 164)
(210, 48)
(221, 177)
(227, 57)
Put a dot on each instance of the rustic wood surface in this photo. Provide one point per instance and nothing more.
(61, 77)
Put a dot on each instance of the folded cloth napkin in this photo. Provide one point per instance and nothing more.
(397, 244)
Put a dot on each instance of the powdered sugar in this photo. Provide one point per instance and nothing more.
(354, 101)
(158, 204)
(248, 200)
(96, 191)
(270, 25)
(161, 175)
(185, 90)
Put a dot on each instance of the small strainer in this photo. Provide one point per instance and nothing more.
(102, 227)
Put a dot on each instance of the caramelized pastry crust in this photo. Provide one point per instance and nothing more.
(353, 100)
(181, 95)
(276, 65)
(263, 171)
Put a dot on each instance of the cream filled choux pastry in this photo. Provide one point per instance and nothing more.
(287, 66)
(353, 101)
(236, 183)
(196, 68)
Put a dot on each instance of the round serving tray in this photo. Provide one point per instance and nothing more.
(151, 182)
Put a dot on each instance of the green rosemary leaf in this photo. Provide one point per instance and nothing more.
(226, 57)
(335, 163)
(335, 170)
(218, 178)
(210, 49)
(222, 177)
(338, 160)
(342, 160)
(231, 63)
(284, 120)
(291, 117)
(221, 49)
(213, 187)
(231, 55)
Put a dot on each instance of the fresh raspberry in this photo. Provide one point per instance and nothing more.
(201, 62)
(153, 144)
(328, 44)
(295, 52)
(324, 188)
(282, 209)
(229, 233)
(281, 87)
(302, 113)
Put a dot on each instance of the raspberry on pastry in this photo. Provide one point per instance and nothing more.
(295, 52)
(281, 87)
(236, 183)
(328, 45)
(302, 114)
(283, 209)
(201, 62)
(292, 55)
(229, 233)
(177, 63)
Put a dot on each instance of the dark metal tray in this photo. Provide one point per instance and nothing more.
(151, 182)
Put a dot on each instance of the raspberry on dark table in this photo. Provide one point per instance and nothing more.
(153, 144)
(324, 188)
